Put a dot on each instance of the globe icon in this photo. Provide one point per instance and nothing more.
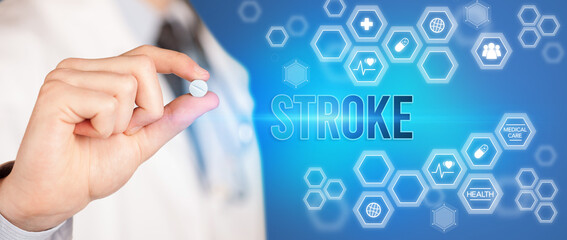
(437, 25)
(373, 210)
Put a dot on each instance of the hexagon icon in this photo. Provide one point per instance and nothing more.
(334, 189)
(297, 25)
(545, 212)
(553, 52)
(526, 200)
(277, 36)
(330, 43)
(529, 15)
(481, 151)
(373, 168)
(437, 65)
(402, 44)
(545, 155)
(477, 14)
(249, 11)
(334, 8)
(515, 131)
(546, 190)
(480, 193)
(366, 66)
(408, 188)
(444, 169)
(437, 24)
(373, 209)
(529, 37)
(527, 178)
(367, 23)
(444, 218)
(314, 199)
(296, 74)
(491, 51)
(315, 177)
(548, 25)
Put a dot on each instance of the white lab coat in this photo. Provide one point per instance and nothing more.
(164, 199)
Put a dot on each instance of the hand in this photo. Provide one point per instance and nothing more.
(86, 137)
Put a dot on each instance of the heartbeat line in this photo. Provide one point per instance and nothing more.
(360, 67)
(440, 171)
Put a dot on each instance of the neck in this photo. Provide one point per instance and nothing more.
(159, 5)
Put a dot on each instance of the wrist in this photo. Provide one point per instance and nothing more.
(21, 213)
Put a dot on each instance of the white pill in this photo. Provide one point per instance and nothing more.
(198, 88)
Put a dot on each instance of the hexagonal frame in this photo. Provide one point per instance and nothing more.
(361, 159)
(314, 191)
(539, 206)
(529, 125)
(381, 59)
(459, 161)
(408, 173)
(495, 185)
(450, 17)
(546, 181)
(326, 189)
(302, 20)
(447, 208)
(358, 204)
(299, 64)
(521, 172)
(334, 15)
(336, 28)
(481, 5)
(314, 169)
(505, 58)
(524, 7)
(451, 57)
(494, 142)
(277, 28)
(545, 52)
(521, 39)
(529, 192)
(249, 19)
(390, 34)
(546, 17)
(551, 160)
(379, 15)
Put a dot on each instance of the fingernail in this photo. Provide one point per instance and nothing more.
(132, 130)
(201, 71)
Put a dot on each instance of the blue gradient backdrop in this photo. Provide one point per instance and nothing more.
(443, 116)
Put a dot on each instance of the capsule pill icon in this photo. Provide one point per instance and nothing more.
(401, 44)
(479, 153)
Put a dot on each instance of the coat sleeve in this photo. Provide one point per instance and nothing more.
(10, 232)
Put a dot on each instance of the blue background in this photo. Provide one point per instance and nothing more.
(443, 116)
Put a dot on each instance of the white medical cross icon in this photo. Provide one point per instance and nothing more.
(366, 24)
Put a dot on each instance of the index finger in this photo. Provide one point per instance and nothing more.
(168, 61)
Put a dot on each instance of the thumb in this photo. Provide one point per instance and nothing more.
(178, 115)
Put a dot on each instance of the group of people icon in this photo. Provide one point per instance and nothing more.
(491, 51)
